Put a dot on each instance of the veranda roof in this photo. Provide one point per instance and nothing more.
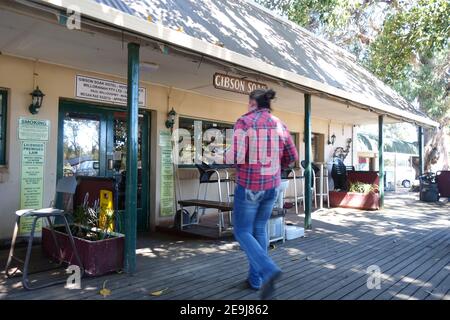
(244, 33)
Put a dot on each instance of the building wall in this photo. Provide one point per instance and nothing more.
(16, 75)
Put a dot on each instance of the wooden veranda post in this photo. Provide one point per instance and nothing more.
(420, 142)
(381, 158)
(132, 158)
(308, 173)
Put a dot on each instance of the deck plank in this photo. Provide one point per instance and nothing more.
(409, 240)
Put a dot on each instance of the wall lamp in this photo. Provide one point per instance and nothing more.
(171, 119)
(36, 100)
(332, 139)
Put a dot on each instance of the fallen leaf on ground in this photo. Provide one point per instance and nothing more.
(159, 292)
(105, 292)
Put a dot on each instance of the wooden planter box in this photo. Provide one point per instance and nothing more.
(363, 201)
(98, 257)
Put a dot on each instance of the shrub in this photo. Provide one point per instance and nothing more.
(360, 187)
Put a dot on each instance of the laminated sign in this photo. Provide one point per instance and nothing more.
(33, 134)
(167, 197)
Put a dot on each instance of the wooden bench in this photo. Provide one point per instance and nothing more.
(221, 207)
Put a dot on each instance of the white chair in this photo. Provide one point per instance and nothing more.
(292, 175)
(325, 192)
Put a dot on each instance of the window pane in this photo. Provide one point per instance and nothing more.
(81, 146)
(212, 137)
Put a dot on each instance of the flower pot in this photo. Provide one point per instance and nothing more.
(354, 200)
(98, 257)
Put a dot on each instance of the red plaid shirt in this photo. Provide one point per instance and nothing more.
(262, 146)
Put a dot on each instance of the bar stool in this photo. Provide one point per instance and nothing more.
(290, 174)
(66, 185)
(313, 179)
(324, 189)
(206, 174)
(276, 225)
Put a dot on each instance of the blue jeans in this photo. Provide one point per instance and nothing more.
(251, 212)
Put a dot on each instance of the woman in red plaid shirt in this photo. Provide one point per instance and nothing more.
(262, 146)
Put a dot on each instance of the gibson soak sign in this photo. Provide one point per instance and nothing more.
(235, 84)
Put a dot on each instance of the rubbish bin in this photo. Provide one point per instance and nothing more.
(428, 188)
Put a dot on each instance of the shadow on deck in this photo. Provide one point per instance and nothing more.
(408, 241)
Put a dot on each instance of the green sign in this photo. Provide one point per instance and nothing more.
(32, 180)
(33, 129)
(33, 134)
(167, 197)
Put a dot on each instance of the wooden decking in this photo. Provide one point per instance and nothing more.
(409, 241)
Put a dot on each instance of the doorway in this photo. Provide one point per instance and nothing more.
(92, 143)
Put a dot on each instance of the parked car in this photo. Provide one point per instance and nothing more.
(406, 176)
(88, 168)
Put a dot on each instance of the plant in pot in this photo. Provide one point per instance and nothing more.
(100, 248)
(360, 187)
(359, 196)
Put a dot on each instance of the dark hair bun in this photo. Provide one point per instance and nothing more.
(262, 97)
(270, 94)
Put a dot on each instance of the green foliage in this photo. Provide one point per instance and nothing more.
(412, 55)
(410, 37)
(405, 43)
(360, 187)
(88, 223)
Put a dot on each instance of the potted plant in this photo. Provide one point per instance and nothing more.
(360, 195)
(101, 250)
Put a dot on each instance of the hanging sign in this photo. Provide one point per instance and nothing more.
(167, 197)
(236, 84)
(31, 181)
(103, 90)
(33, 129)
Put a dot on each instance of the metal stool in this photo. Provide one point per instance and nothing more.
(286, 175)
(206, 173)
(324, 189)
(314, 171)
(65, 185)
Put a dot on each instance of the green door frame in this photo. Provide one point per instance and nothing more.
(106, 117)
(3, 123)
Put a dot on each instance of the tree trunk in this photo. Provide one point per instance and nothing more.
(436, 150)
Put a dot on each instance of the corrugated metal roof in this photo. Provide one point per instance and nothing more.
(246, 28)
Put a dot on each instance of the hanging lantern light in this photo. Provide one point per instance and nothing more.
(332, 139)
(171, 119)
(37, 96)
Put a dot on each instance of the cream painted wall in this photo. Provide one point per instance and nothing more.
(16, 75)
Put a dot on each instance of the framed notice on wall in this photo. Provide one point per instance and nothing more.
(167, 195)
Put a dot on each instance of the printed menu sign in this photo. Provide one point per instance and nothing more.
(167, 197)
(104, 90)
(33, 134)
